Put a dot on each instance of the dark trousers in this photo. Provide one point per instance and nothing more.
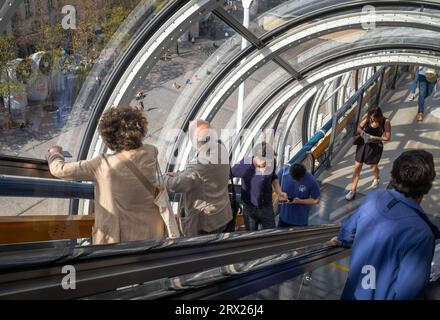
(218, 231)
(256, 216)
(283, 224)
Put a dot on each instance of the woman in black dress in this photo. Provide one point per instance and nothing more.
(375, 129)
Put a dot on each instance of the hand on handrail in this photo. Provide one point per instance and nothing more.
(335, 241)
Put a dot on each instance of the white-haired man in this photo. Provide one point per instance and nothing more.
(205, 207)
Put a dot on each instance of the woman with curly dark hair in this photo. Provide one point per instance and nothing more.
(124, 207)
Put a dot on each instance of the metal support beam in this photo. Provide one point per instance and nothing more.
(358, 117)
(286, 66)
(378, 58)
(335, 118)
(396, 74)
(227, 18)
(379, 93)
(254, 40)
(45, 188)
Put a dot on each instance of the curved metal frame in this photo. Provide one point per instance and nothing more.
(229, 84)
(170, 15)
(344, 54)
(265, 38)
(167, 18)
(318, 14)
(319, 29)
(291, 117)
(333, 71)
(311, 117)
(331, 59)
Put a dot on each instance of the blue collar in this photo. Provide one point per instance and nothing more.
(286, 170)
(408, 201)
(413, 204)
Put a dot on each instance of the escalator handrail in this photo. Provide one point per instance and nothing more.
(105, 268)
(234, 281)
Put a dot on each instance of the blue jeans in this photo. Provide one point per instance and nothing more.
(413, 86)
(425, 90)
(255, 216)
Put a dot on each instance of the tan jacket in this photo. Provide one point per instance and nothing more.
(205, 195)
(124, 209)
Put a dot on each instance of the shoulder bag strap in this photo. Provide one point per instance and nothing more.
(135, 170)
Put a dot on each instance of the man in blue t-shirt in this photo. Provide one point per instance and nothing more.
(303, 192)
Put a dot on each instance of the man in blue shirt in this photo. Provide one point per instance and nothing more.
(258, 180)
(392, 239)
(303, 192)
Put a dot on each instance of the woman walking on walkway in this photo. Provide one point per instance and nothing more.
(375, 129)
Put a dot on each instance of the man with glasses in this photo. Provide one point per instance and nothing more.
(258, 181)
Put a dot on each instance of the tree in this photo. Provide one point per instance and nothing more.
(51, 40)
(7, 53)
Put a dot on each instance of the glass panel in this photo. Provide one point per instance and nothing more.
(267, 15)
(170, 90)
(54, 58)
(326, 283)
(167, 287)
(294, 138)
(256, 88)
(306, 54)
(324, 110)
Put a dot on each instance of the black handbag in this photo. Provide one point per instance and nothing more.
(235, 205)
(236, 208)
(358, 140)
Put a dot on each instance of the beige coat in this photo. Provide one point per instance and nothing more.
(205, 195)
(124, 209)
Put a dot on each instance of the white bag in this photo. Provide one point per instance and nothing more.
(431, 74)
(162, 201)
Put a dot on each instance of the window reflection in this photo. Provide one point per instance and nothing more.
(54, 57)
(49, 54)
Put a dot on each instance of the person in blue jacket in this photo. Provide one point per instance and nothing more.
(303, 192)
(391, 237)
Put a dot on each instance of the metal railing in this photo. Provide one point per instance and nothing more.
(35, 271)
